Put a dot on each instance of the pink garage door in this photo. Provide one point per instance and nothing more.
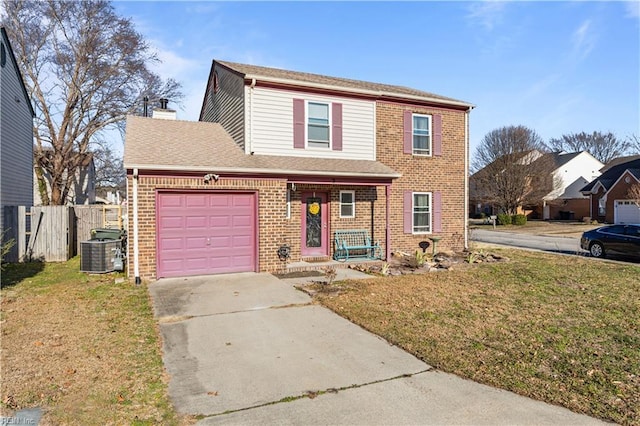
(205, 233)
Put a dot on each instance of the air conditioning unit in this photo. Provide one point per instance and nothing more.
(98, 256)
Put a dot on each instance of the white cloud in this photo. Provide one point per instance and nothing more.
(633, 9)
(583, 39)
(487, 13)
(172, 64)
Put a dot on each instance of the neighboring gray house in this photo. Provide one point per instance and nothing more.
(16, 133)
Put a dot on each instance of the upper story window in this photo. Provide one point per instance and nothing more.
(347, 204)
(318, 125)
(421, 134)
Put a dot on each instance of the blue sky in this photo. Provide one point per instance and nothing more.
(556, 67)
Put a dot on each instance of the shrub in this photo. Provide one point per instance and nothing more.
(519, 219)
(504, 219)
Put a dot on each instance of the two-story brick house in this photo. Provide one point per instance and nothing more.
(282, 157)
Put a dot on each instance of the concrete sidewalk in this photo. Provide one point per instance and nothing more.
(250, 349)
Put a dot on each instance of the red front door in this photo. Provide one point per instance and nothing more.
(315, 224)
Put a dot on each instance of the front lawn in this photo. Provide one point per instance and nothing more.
(560, 329)
(80, 347)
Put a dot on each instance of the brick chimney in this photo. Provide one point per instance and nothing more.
(163, 113)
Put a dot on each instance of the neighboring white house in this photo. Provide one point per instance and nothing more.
(16, 133)
(573, 171)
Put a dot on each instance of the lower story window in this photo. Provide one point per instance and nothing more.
(421, 212)
(347, 204)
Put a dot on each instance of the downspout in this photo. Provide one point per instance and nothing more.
(136, 266)
(250, 138)
(387, 232)
(466, 179)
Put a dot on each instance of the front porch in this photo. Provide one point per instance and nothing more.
(318, 208)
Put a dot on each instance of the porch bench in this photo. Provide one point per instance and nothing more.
(349, 241)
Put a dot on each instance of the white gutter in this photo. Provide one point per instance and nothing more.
(136, 266)
(377, 93)
(466, 179)
(236, 170)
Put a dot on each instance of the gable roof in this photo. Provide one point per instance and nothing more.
(197, 146)
(5, 39)
(317, 81)
(619, 160)
(611, 176)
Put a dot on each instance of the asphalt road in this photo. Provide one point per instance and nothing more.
(570, 245)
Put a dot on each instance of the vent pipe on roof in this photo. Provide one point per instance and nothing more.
(163, 103)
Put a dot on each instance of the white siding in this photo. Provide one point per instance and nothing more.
(582, 168)
(16, 138)
(269, 127)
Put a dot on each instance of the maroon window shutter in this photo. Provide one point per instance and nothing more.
(437, 211)
(336, 124)
(408, 132)
(298, 123)
(408, 212)
(437, 135)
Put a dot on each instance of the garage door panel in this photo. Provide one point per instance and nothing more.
(220, 221)
(171, 200)
(244, 201)
(244, 221)
(196, 200)
(242, 242)
(196, 222)
(206, 233)
(172, 243)
(196, 263)
(172, 222)
(197, 243)
(221, 241)
(172, 265)
(223, 200)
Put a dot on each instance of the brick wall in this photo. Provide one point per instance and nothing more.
(274, 228)
(445, 173)
(271, 207)
(618, 192)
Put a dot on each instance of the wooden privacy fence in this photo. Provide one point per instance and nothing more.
(53, 233)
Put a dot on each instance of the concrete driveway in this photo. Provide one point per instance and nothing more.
(250, 349)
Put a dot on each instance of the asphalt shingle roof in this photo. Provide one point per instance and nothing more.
(303, 77)
(202, 146)
(610, 176)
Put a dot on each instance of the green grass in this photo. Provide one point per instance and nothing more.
(560, 329)
(82, 347)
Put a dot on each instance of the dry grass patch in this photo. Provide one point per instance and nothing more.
(561, 329)
(82, 348)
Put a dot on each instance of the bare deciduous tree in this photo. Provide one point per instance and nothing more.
(634, 144)
(603, 146)
(85, 68)
(634, 193)
(110, 171)
(512, 170)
